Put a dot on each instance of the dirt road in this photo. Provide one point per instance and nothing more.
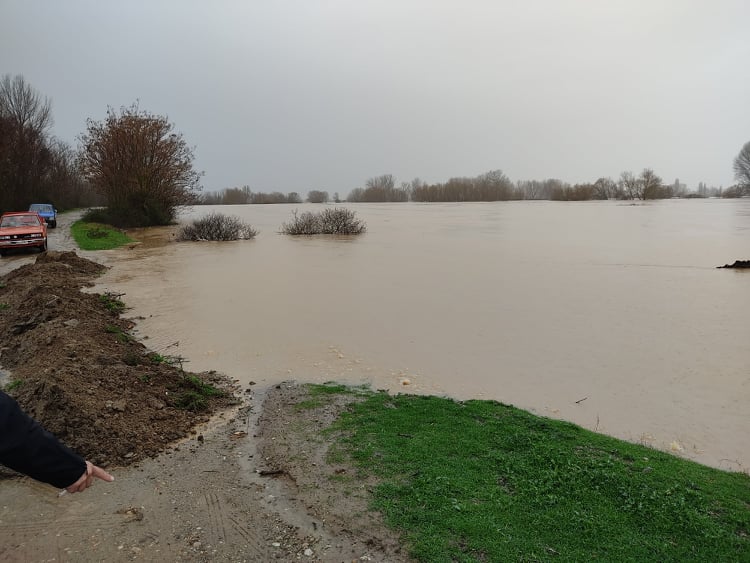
(204, 500)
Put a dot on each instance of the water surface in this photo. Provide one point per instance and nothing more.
(606, 314)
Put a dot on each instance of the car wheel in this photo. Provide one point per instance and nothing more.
(43, 248)
(53, 224)
(2, 252)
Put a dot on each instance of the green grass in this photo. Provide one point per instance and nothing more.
(15, 384)
(97, 236)
(157, 358)
(483, 481)
(120, 334)
(319, 393)
(195, 394)
(4, 306)
(112, 303)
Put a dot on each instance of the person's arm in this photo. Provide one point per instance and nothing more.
(28, 448)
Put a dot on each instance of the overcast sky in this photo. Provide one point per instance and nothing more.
(299, 95)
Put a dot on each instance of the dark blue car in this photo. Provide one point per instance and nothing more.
(47, 212)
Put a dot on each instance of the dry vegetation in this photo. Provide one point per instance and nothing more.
(216, 226)
(330, 221)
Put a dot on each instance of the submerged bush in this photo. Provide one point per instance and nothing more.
(304, 224)
(216, 226)
(330, 221)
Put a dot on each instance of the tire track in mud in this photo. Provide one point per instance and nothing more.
(237, 533)
(258, 549)
(215, 513)
(50, 538)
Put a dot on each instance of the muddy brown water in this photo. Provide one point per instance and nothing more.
(610, 315)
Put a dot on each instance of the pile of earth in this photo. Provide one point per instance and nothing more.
(737, 264)
(68, 359)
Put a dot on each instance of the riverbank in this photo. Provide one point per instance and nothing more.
(190, 486)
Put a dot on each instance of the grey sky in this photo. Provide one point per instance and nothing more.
(293, 96)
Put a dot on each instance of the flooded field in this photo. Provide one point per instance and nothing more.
(610, 315)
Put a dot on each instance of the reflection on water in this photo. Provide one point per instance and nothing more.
(610, 315)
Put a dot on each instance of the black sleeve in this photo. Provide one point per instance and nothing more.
(28, 448)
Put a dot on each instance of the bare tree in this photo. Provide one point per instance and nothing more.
(380, 189)
(236, 196)
(63, 183)
(742, 168)
(274, 197)
(317, 196)
(605, 188)
(384, 182)
(23, 105)
(531, 189)
(142, 167)
(25, 155)
(629, 185)
(210, 198)
(650, 185)
(356, 195)
(491, 186)
(34, 167)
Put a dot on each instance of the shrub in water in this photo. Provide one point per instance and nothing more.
(304, 224)
(216, 226)
(330, 221)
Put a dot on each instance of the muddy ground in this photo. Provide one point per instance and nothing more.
(244, 479)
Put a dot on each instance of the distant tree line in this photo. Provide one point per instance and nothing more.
(244, 195)
(380, 188)
(496, 186)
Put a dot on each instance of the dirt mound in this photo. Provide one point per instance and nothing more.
(72, 261)
(737, 264)
(75, 368)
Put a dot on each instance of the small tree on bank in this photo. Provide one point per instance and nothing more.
(142, 168)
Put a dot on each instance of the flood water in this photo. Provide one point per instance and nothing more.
(610, 315)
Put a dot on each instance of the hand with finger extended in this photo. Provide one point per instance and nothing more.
(87, 479)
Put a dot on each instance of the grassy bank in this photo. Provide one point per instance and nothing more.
(483, 481)
(96, 236)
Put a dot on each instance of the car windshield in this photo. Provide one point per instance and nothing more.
(19, 221)
(43, 207)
